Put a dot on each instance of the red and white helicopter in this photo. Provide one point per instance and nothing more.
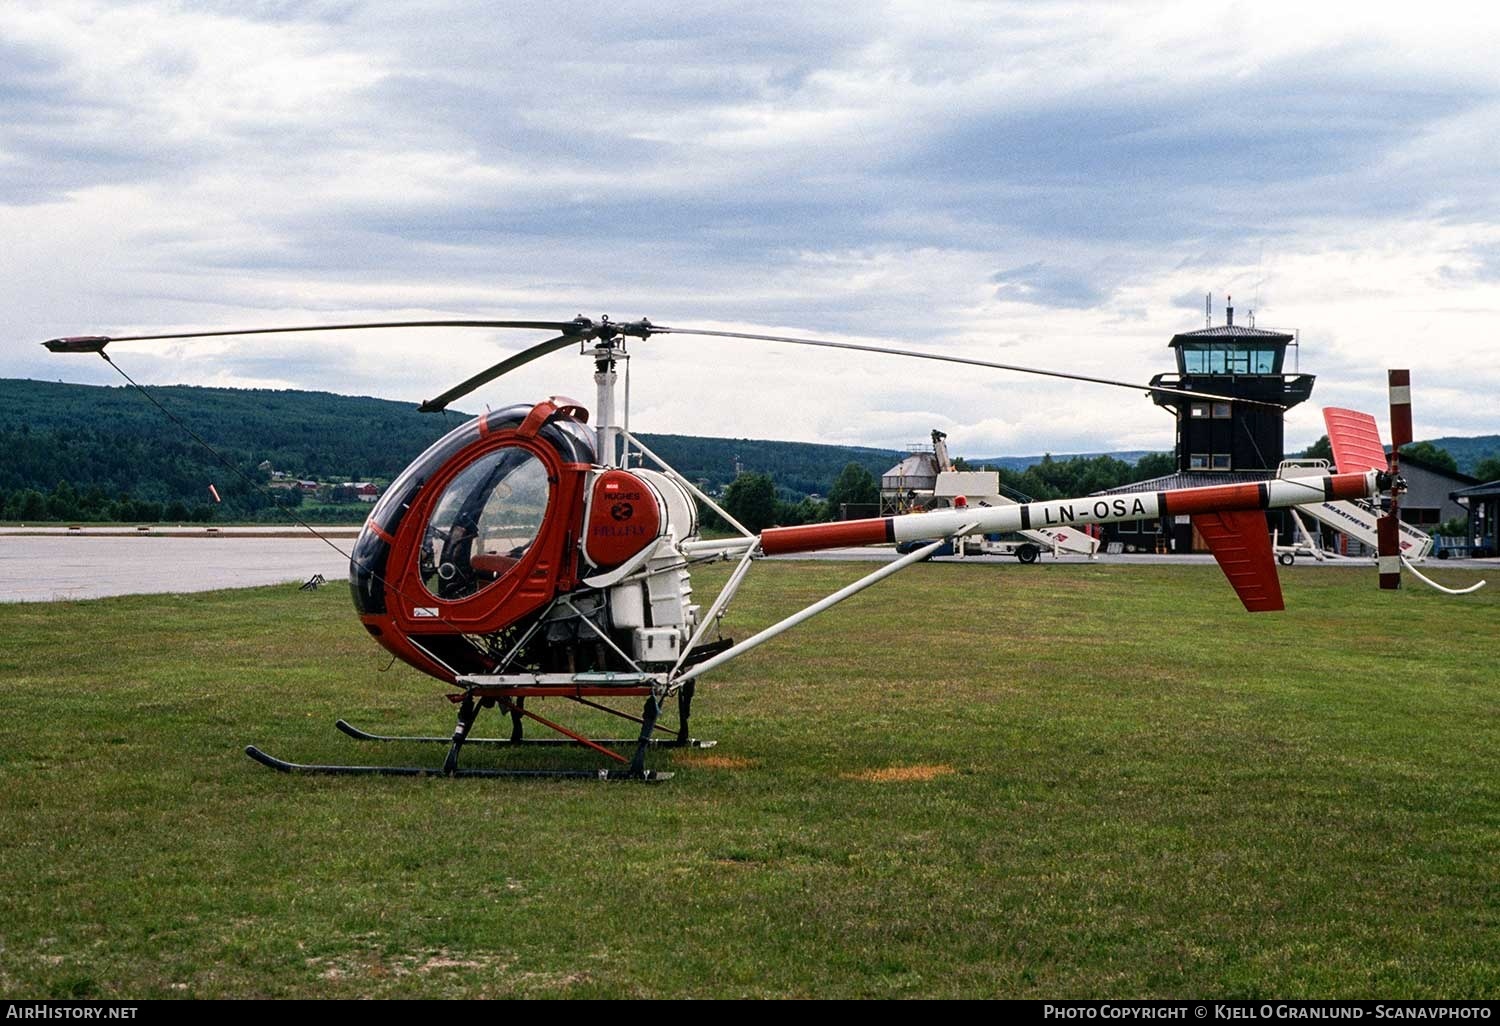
(521, 558)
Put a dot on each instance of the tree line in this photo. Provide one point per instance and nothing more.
(754, 500)
(238, 500)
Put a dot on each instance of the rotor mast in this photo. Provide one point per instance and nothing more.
(609, 348)
(605, 378)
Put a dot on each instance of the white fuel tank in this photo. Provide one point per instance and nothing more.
(682, 509)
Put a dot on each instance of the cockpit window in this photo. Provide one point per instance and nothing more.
(484, 523)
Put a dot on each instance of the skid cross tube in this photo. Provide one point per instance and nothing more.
(351, 731)
(513, 708)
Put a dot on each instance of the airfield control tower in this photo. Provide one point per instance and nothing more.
(1219, 442)
(1239, 362)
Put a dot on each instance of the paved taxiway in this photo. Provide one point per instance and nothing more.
(49, 564)
(43, 568)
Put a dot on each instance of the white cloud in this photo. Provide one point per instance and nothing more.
(1034, 183)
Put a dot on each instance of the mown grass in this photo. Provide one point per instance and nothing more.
(971, 780)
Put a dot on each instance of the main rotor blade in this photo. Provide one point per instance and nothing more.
(96, 343)
(919, 355)
(505, 366)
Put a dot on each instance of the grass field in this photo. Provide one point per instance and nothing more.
(1062, 780)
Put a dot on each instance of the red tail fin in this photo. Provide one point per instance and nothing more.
(1241, 544)
(1355, 439)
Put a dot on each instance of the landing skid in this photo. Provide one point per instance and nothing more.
(282, 766)
(513, 701)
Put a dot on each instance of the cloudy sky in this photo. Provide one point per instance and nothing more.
(1048, 184)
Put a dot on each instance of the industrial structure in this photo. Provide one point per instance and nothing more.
(909, 484)
(927, 479)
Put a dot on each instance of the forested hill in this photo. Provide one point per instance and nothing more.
(1468, 453)
(308, 434)
(88, 452)
(110, 441)
(798, 468)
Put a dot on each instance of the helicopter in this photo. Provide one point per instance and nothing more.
(534, 552)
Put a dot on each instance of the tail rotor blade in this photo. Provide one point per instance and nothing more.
(1400, 408)
(1388, 534)
(1388, 527)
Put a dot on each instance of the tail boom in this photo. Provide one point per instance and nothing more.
(1099, 509)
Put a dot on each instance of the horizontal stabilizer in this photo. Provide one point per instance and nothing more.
(1242, 545)
(1355, 439)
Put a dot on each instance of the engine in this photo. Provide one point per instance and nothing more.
(632, 522)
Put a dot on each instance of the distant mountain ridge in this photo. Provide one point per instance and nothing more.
(111, 439)
(1019, 463)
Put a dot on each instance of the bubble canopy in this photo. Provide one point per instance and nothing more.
(390, 549)
(484, 522)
